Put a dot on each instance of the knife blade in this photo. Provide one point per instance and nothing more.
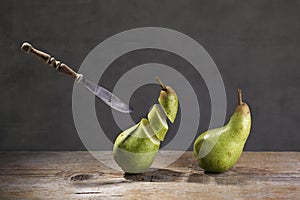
(106, 96)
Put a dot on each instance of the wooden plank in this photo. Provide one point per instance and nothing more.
(77, 175)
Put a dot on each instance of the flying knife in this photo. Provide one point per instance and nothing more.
(109, 98)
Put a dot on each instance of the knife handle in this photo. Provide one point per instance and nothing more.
(49, 60)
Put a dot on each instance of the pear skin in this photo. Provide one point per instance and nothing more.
(168, 100)
(217, 150)
(135, 149)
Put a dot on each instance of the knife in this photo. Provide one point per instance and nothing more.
(109, 98)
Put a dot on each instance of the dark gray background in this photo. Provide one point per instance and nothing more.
(255, 44)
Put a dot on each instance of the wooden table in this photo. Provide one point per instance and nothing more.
(78, 175)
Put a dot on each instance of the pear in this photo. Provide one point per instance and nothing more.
(158, 122)
(168, 100)
(135, 149)
(217, 150)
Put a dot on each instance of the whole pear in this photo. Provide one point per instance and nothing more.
(217, 150)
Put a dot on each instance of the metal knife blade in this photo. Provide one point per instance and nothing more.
(109, 98)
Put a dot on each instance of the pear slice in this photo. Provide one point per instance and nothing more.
(158, 123)
(149, 131)
(135, 149)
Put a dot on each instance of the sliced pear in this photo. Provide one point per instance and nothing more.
(135, 149)
(158, 122)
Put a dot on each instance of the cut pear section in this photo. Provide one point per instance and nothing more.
(125, 134)
(158, 122)
(135, 148)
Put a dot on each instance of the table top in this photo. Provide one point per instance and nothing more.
(78, 175)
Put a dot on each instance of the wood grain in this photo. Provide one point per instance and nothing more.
(77, 175)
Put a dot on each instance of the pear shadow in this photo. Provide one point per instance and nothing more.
(214, 174)
(91, 179)
(155, 175)
(231, 177)
(198, 178)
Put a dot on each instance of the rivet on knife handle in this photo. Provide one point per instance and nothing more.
(49, 60)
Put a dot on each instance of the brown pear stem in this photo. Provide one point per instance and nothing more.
(240, 101)
(160, 83)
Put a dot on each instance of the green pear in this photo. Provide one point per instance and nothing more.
(217, 150)
(158, 122)
(135, 149)
(168, 100)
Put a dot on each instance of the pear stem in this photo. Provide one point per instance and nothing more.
(240, 101)
(160, 83)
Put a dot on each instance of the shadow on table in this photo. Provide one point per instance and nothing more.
(198, 178)
(226, 178)
(155, 175)
(231, 177)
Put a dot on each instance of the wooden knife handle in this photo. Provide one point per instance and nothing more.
(49, 60)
